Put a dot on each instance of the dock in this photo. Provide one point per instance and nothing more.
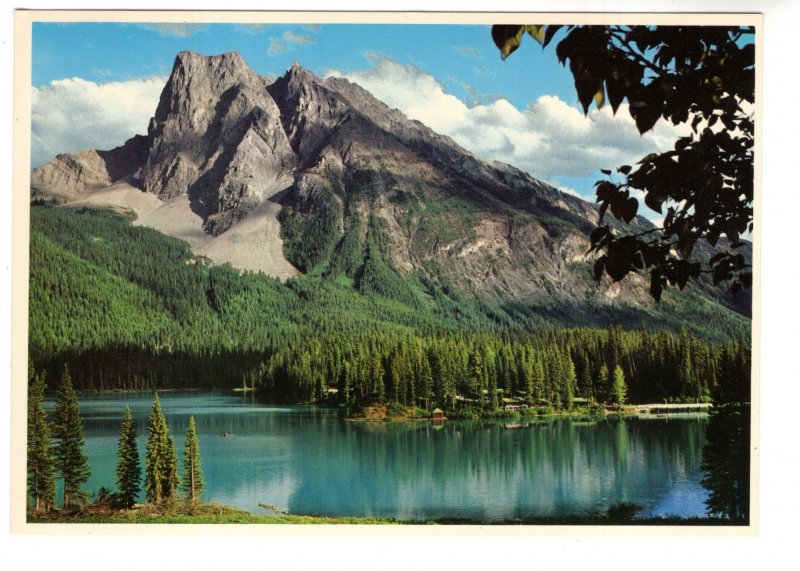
(662, 408)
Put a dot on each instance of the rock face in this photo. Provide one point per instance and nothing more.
(307, 173)
(69, 175)
(216, 136)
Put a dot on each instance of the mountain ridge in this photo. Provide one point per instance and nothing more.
(316, 175)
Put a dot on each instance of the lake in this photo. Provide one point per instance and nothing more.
(307, 460)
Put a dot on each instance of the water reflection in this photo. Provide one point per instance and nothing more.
(307, 460)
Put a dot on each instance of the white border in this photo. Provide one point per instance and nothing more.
(779, 503)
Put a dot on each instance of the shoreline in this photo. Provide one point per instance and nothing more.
(413, 414)
(209, 514)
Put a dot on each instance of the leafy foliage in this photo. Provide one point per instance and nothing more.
(700, 75)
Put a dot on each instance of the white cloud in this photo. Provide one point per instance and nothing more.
(568, 190)
(71, 115)
(548, 138)
(298, 39)
(276, 47)
(467, 51)
(176, 29)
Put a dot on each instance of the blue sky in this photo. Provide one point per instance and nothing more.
(97, 84)
(456, 54)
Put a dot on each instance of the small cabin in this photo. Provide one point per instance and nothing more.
(437, 414)
(514, 406)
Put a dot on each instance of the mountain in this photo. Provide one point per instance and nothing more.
(316, 176)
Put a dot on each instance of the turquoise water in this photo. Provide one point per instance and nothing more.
(308, 461)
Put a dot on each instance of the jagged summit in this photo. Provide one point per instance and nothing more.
(305, 174)
(211, 74)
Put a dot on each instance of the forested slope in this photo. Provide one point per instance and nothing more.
(127, 307)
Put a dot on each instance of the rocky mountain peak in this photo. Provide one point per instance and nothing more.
(197, 79)
(216, 137)
(309, 173)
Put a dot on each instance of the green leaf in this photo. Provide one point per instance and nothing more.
(605, 172)
(549, 33)
(682, 143)
(598, 234)
(628, 209)
(656, 287)
(606, 190)
(586, 86)
(669, 217)
(615, 88)
(602, 212)
(645, 116)
(696, 122)
(507, 38)
(599, 266)
(686, 242)
(536, 32)
(617, 267)
(624, 169)
(717, 257)
(682, 277)
(599, 97)
(653, 202)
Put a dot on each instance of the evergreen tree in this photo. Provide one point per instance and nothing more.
(128, 466)
(569, 384)
(71, 463)
(601, 383)
(192, 482)
(491, 388)
(686, 374)
(726, 461)
(41, 473)
(619, 388)
(171, 477)
(538, 380)
(161, 464)
(726, 455)
(475, 368)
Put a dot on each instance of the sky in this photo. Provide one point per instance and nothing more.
(97, 84)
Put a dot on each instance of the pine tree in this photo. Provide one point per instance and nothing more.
(619, 388)
(41, 473)
(192, 483)
(475, 374)
(601, 383)
(686, 373)
(71, 463)
(569, 383)
(171, 476)
(161, 463)
(726, 455)
(128, 466)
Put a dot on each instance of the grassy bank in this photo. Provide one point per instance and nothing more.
(620, 514)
